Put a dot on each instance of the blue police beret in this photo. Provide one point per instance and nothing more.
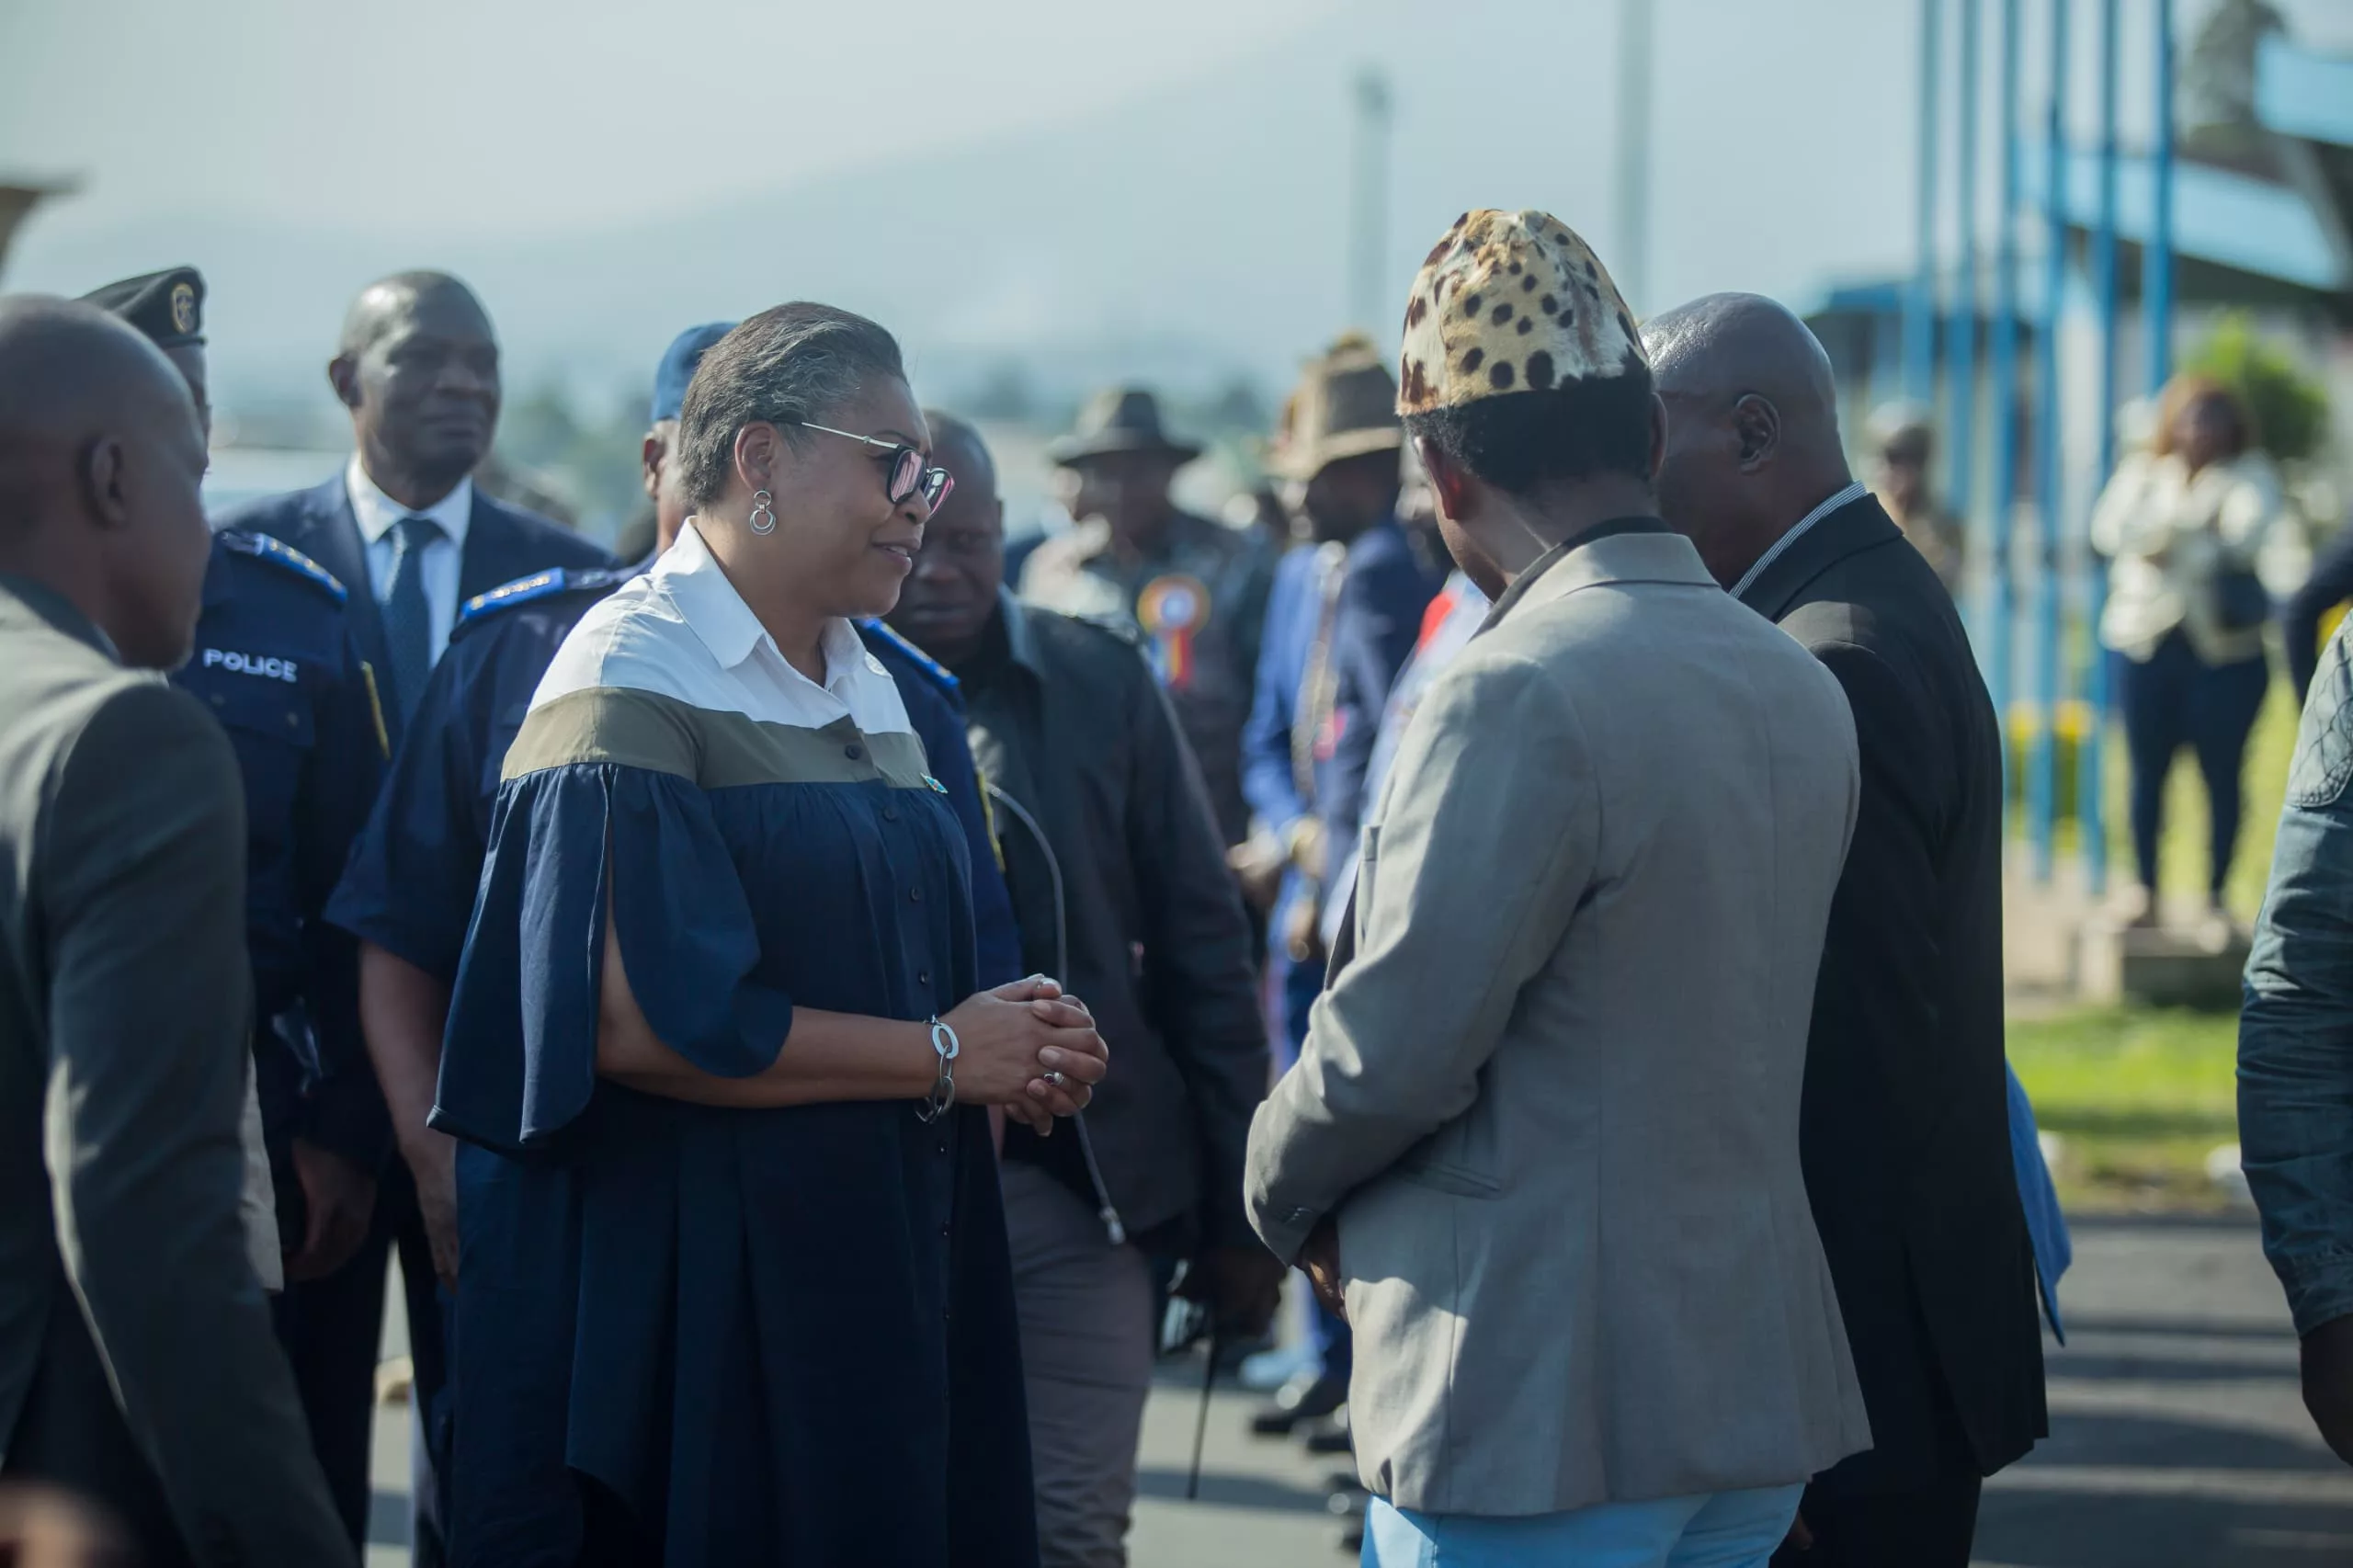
(678, 362)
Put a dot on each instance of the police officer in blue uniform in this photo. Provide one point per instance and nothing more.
(275, 663)
(408, 891)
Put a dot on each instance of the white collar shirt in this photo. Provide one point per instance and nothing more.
(681, 630)
(1853, 493)
(376, 512)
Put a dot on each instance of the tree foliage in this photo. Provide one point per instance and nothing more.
(2289, 406)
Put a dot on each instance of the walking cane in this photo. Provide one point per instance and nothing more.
(1202, 1419)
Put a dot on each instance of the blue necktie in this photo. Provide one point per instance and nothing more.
(408, 614)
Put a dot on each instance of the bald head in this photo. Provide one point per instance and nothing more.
(417, 366)
(101, 458)
(951, 601)
(957, 448)
(385, 305)
(1752, 424)
(68, 369)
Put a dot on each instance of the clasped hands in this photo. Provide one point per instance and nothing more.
(1029, 1048)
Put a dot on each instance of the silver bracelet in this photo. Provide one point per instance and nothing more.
(947, 1047)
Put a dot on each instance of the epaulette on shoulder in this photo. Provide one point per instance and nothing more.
(940, 674)
(285, 557)
(557, 582)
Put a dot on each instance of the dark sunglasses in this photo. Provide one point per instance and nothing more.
(910, 475)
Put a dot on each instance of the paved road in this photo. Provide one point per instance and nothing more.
(2177, 1440)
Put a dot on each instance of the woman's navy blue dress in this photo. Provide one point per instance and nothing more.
(706, 1337)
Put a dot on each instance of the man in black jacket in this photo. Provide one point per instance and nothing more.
(1904, 1127)
(1118, 873)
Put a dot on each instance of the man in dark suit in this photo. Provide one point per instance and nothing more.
(1904, 1131)
(136, 1364)
(406, 527)
(417, 367)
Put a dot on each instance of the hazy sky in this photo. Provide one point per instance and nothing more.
(455, 130)
(516, 118)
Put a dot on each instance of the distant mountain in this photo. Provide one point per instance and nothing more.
(1188, 235)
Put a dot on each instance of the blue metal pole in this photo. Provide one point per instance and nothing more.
(1920, 306)
(2157, 259)
(2001, 649)
(2091, 814)
(1961, 330)
(2042, 793)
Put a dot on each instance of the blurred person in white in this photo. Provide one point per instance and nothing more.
(2184, 527)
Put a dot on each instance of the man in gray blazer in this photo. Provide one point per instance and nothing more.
(1543, 1140)
(136, 1362)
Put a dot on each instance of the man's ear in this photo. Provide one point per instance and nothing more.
(343, 375)
(1757, 423)
(105, 483)
(651, 455)
(1658, 435)
(1450, 483)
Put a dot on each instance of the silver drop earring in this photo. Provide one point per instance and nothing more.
(763, 506)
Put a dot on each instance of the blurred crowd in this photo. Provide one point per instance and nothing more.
(818, 1008)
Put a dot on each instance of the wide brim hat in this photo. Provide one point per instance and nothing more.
(1123, 419)
(1346, 406)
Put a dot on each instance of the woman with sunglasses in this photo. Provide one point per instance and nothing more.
(733, 1285)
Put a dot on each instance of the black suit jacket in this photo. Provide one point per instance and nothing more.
(1904, 1133)
(1128, 899)
(502, 544)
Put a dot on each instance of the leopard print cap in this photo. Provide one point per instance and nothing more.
(1508, 302)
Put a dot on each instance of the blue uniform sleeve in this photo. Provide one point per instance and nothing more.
(1374, 627)
(941, 729)
(519, 1062)
(1268, 783)
(2046, 1226)
(2329, 584)
(342, 1113)
(409, 887)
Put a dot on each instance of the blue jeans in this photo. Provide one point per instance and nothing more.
(2172, 701)
(1722, 1529)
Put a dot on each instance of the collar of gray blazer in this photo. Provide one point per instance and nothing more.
(41, 602)
(1519, 586)
(1855, 491)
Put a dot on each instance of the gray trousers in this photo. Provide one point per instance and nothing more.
(1086, 1332)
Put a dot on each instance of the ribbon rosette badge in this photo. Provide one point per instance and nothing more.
(1172, 610)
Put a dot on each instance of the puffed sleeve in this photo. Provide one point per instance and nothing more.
(615, 820)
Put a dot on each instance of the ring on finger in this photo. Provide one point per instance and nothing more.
(1057, 1080)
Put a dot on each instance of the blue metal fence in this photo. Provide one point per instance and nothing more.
(2033, 617)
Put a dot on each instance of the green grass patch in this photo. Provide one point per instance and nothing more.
(2138, 1098)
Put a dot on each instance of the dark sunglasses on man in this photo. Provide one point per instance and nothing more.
(909, 474)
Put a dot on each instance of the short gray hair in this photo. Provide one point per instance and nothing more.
(785, 366)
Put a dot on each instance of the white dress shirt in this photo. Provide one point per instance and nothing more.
(377, 512)
(681, 630)
(1846, 497)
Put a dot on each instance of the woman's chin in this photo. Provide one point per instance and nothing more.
(878, 595)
